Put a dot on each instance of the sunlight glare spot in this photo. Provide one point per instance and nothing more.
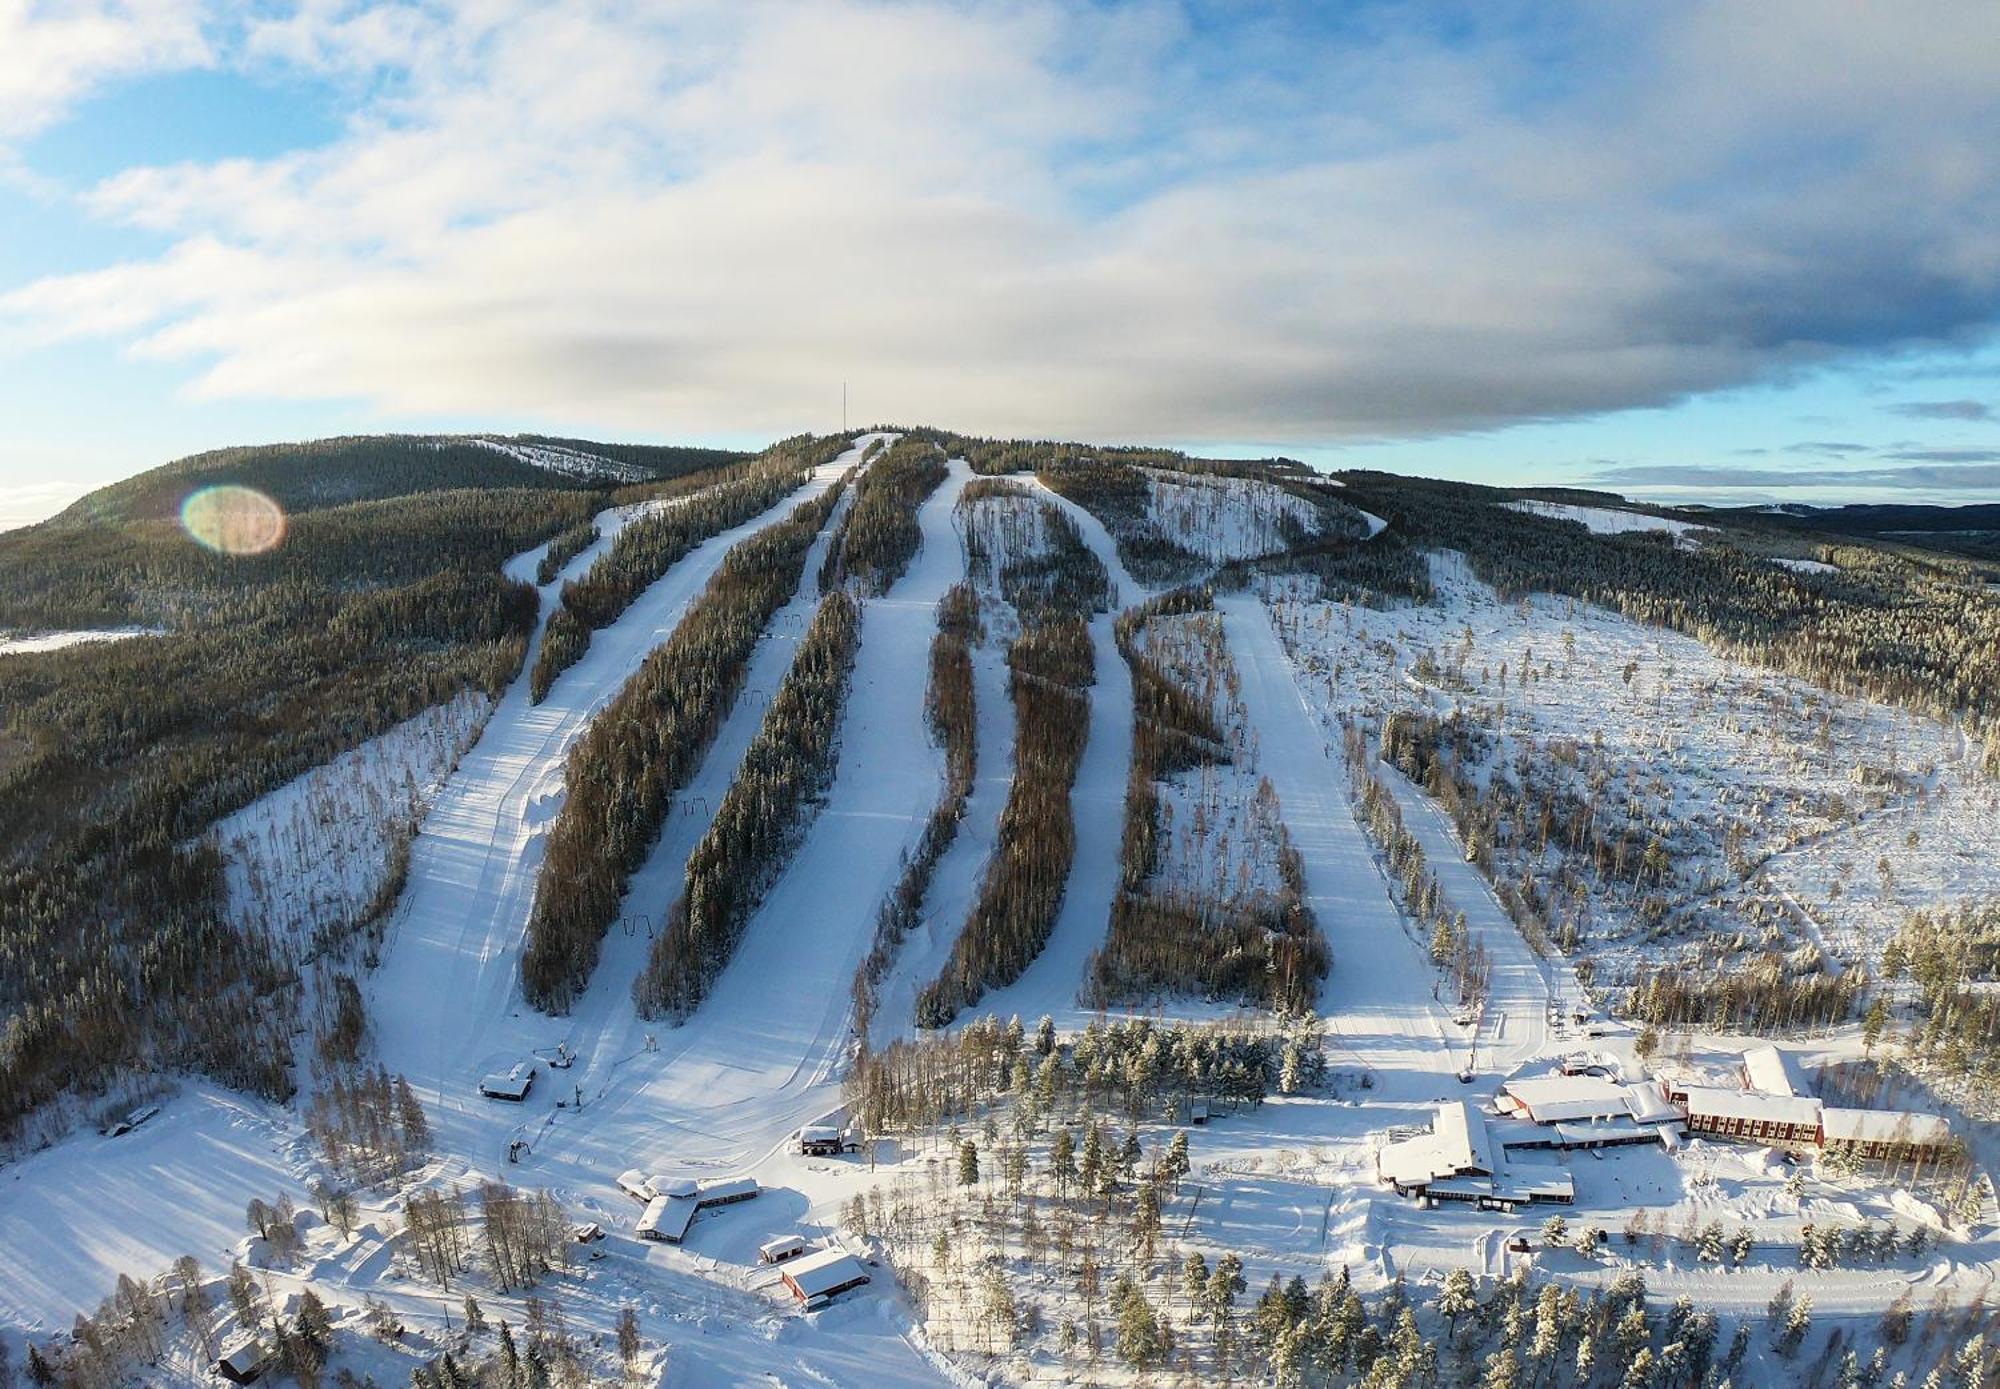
(233, 520)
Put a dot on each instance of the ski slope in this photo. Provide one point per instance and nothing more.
(1377, 998)
(446, 1004)
(1097, 801)
(764, 1052)
(1524, 989)
(955, 883)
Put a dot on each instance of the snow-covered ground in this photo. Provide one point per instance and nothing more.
(563, 460)
(1811, 788)
(1097, 801)
(76, 1215)
(313, 854)
(25, 643)
(1606, 520)
(1227, 518)
(1379, 999)
(1816, 789)
(457, 933)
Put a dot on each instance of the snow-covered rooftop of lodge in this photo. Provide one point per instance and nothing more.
(1561, 1099)
(1457, 1143)
(1751, 1106)
(1882, 1126)
(1771, 1071)
(668, 1217)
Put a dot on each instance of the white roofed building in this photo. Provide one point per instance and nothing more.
(1771, 1071)
(1781, 1120)
(815, 1278)
(1883, 1134)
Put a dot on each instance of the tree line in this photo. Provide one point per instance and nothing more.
(1917, 634)
(1051, 663)
(651, 545)
(761, 818)
(880, 535)
(644, 747)
(1257, 949)
(116, 757)
(950, 711)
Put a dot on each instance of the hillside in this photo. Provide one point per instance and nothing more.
(1130, 858)
(338, 472)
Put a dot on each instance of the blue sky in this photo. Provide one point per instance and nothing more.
(1704, 252)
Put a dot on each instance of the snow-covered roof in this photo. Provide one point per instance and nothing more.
(828, 1271)
(1719, 1103)
(1770, 1070)
(771, 1248)
(1883, 1126)
(733, 1189)
(820, 1133)
(661, 1185)
(1648, 1105)
(1457, 1143)
(667, 1217)
(1462, 1132)
(1557, 1099)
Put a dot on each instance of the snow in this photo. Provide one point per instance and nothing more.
(1604, 520)
(1378, 998)
(76, 1215)
(1710, 742)
(457, 932)
(1226, 518)
(28, 643)
(313, 854)
(1815, 788)
(564, 461)
(1806, 566)
(1097, 802)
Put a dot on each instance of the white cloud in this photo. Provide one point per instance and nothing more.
(53, 54)
(1056, 219)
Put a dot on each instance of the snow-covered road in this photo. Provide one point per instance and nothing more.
(1377, 999)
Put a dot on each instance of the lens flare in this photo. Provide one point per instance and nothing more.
(233, 520)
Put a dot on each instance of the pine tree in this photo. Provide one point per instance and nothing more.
(1458, 1297)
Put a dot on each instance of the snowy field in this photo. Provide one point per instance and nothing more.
(27, 643)
(1785, 798)
(1227, 518)
(1604, 520)
(564, 461)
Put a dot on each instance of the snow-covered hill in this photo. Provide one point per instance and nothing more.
(1792, 823)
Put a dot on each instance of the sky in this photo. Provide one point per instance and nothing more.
(1706, 251)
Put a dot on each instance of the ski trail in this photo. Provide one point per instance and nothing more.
(764, 1052)
(955, 885)
(1051, 981)
(1377, 996)
(602, 1028)
(445, 1003)
(1515, 1024)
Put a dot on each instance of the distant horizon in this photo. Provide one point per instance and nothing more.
(24, 507)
